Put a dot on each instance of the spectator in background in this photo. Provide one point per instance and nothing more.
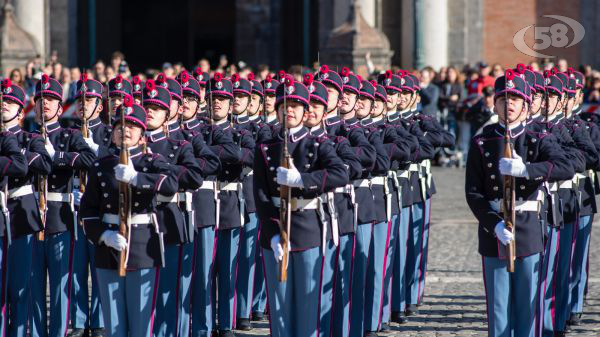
(562, 65)
(534, 65)
(109, 73)
(497, 70)
(204, 65)
(16, 77)
(592, 94)
(99, 74)
(178, 67)
(262, 71)
(75, 76)
(452, 92)
(66, 81)
(57, 71)
(484, 79)
(168, 70)
(116, 59)
(429, 93)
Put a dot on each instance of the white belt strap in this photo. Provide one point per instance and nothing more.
(414, 167)
(59, 197)
(361, 183)
(20, 191)
(207, 185)
(334, 220)
(228, 186)
(167, 198)
(298, 204)
(138, 219)
(379, 180)
(402, 174)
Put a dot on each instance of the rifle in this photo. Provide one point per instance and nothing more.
(42, 178)
(285, 193)
(508, 198)
(4, 202)
(124, 192)
(84, 129)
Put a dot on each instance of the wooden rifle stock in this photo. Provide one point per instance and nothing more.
(285, 197)
(43, 179)
(86, 133)
(508, 205)
(124, 200)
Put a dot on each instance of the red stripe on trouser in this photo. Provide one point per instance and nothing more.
(385, 255)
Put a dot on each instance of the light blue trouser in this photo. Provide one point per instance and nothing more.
(395, 247)
(399, 277)
(228, 243)
(185, 291)
(511, 298)
(84, 267)
(247, 266)
(414, 253)
(204, 256)
(547, 286)
(342, 286)
(423, 268)
(327, 284)
(54, 255)
(259, 300)
(165, 322)
(128, 302)
(579, 273)
(566, 242)
(362, 247)
(18, 294)
(376, 273)
(294, 305)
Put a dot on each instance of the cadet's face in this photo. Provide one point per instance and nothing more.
(363, 107)
(270, 103)
(332, 98)
(175, 109)
(52, 109)
(348, 101)
(295, 113)
(115, 101)
(315, 114)
(554, 105)
(221, 107)
(9, 110)
(536, 103)
(570, 104)
(202, 94)
(405, 100)
(90, 109)
(579, 97)
(190, 105)
(378, 108)
(157, 116)
(133, 135)
(392, 100)
(517, 109)
(255, 104)
(240, 103)
(138, 100)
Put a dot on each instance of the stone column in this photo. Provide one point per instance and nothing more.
(431, 35)
(368, 11)
(31, 17)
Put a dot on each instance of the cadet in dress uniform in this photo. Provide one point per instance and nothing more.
(128, 303)
(316, 169)
(249, 236)
(207, 205)
(118, 88)
(314, 121)
(203, 78)
(269, 85)
(54, 255)
(579, 273)
(511, 297)
(188, 199)
(162, 139)
(137, 90)
(18, 151)
(85, 310)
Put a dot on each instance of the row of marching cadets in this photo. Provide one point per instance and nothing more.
(554, 162)
(201, 252)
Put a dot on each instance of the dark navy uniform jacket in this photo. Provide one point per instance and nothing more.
(221, 145)
(13, 164)
(72, 155)
(180, 155)
(545, 160)
(401, 167)
(101, 197)
(351, 130)
(101, 133)
(343, 202)
(232, 173)
(321, 170)
(24, 211)
(252, 127)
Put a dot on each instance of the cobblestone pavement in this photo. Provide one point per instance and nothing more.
(454, 298)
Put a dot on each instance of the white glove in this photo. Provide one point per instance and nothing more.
(114, 240)
(513, 167)
(504, 235)
(276, 247)
(77, 197)
(90, 142)
(50, 149)
(289, 177)
(126, 173)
